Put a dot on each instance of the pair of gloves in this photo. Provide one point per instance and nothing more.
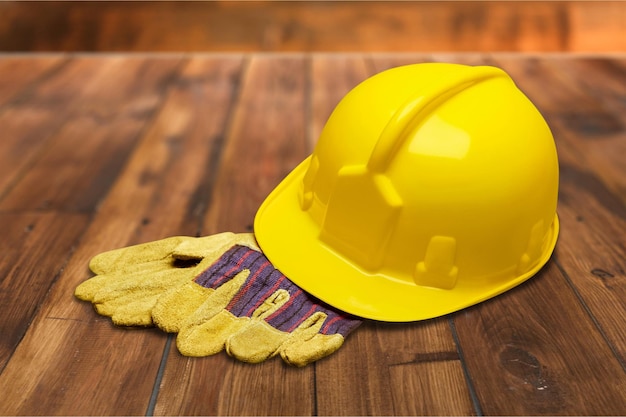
(216, 292)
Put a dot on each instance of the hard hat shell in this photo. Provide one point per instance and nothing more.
(432, 187)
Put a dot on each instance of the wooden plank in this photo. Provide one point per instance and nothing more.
(162, 190)
(30, 122)
(80, 367)
(382, 63)
(21, 306)
(33, 250)
(272, 388)
(535, 351)
(332, 77)
(315, 26)
(24, 134)
(430, 388)
(359, 378)
(266, 139)
(376, 351)
(19, 74)
(551, 346)
(72, 361)
(89, 150)
(599, 135)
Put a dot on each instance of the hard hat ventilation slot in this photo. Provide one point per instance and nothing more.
(306, 192)
(534, 249)
(438, 268)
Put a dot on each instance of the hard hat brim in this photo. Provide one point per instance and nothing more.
(290, 239)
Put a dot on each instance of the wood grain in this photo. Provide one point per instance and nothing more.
(265, 138)
(149, 202)
(31, 119)
(592, 26)
(430, 388)
(528, 351)
(34, 248)
(332, 77)
(99, 152)
(265, 141)
(56, 232)
(24, 75)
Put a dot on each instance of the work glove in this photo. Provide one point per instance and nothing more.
(217, 292)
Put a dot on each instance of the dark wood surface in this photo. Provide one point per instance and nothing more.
(320, 26)
(103, 151)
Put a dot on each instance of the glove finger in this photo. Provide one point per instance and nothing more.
(88, 289)
(305, 344)
(175, 306)
(143, 268)
(217, 301)
(132, 305)
(258, 341)
(196, 300)
(209, 337)
(255, 342)
(205, 247)
(200, 335)
(299, 344)
(127, 302)
(132, 275)
(137, 284)
(135, 313)
(318, 336)
(117, 259)
(300, 352)
(110, 307)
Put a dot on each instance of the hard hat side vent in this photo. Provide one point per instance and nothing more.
(438, 267)
(536, 243)
(306, 192)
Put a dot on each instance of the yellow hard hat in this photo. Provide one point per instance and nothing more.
(432, 187)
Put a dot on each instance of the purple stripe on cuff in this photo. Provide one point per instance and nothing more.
(263, 281)
(235, 260)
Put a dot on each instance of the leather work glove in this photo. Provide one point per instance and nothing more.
(218, 292)
(130, 280)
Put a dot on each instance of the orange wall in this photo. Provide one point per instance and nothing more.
(570, 26)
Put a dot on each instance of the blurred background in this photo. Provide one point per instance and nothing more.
(313, 26)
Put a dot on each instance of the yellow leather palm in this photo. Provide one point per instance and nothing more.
(130, 280)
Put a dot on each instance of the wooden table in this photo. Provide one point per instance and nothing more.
(102, 151)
